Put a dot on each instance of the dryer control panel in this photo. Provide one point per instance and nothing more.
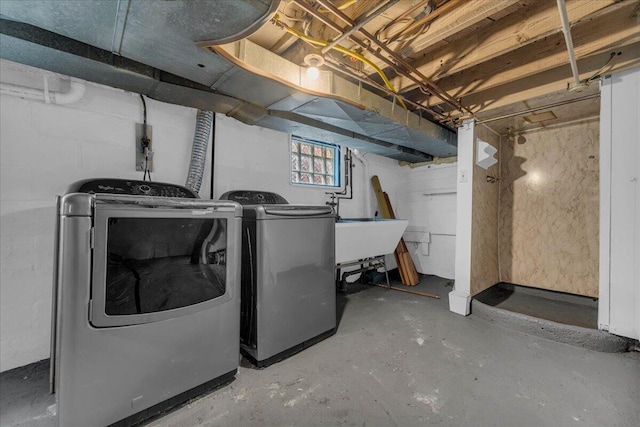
(248, 197)
(131, 187)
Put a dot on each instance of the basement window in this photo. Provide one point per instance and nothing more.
(314, 163)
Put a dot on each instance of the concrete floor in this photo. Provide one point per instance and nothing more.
(404, 360)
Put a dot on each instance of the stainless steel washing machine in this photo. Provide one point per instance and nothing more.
(288, 267)
(146, 307)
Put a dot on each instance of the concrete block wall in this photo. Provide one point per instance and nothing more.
(255, 158)
(46, 147)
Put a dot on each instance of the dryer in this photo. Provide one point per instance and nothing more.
(146, 310)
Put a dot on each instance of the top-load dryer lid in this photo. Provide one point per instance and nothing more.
(250, 197)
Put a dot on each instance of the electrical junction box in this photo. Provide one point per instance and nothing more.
(140, 158)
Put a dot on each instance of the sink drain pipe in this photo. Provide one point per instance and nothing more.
(204, 124)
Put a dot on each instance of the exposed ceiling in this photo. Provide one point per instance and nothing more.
(398, 75)
(492, 58)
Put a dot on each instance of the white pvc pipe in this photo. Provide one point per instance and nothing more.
(566, 29)
(75, 93)
(366, 189)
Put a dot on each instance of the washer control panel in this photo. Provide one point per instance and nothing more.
(132, 187)
(248, 197)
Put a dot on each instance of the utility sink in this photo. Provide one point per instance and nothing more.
(358, 238)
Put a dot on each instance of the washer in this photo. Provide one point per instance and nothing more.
(146, 310)
(288, 268)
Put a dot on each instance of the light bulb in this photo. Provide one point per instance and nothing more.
(313, 73)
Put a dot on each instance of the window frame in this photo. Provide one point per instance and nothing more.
(337, 162)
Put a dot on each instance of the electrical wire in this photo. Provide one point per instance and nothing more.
(598, 73)
(343, 50)
(293, 18)
(146, 142)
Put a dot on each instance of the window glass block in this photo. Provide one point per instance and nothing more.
(314, 162)
(329, 166)
(305, 163)
(318, 165)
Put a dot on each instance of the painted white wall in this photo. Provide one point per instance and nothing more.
(427, 198)
(460, 297)
(46, 147)
(255, 158)
(619, 307)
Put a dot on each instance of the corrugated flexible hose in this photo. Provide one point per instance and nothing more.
(204, 122)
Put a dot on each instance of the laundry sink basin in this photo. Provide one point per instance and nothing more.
(358, 238)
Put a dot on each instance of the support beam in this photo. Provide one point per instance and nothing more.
(507, 34)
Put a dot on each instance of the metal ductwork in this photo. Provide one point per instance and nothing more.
(151, 47)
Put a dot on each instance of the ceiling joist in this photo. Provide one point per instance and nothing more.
(461, 58)
(506, 35)
(605, 33)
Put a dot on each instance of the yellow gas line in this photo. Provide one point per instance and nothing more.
(341, 49)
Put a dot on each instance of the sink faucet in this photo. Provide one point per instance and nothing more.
(334, 203)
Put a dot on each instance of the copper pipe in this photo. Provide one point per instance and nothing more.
(364, 78)
(307, 8)
(359, 24)
(424, 80)
(310, 10)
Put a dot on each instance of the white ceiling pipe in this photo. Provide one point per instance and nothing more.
(566, 29)
(75, 93)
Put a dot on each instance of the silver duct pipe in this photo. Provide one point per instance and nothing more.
(204, 123)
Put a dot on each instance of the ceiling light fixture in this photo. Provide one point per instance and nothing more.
(313, 61)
